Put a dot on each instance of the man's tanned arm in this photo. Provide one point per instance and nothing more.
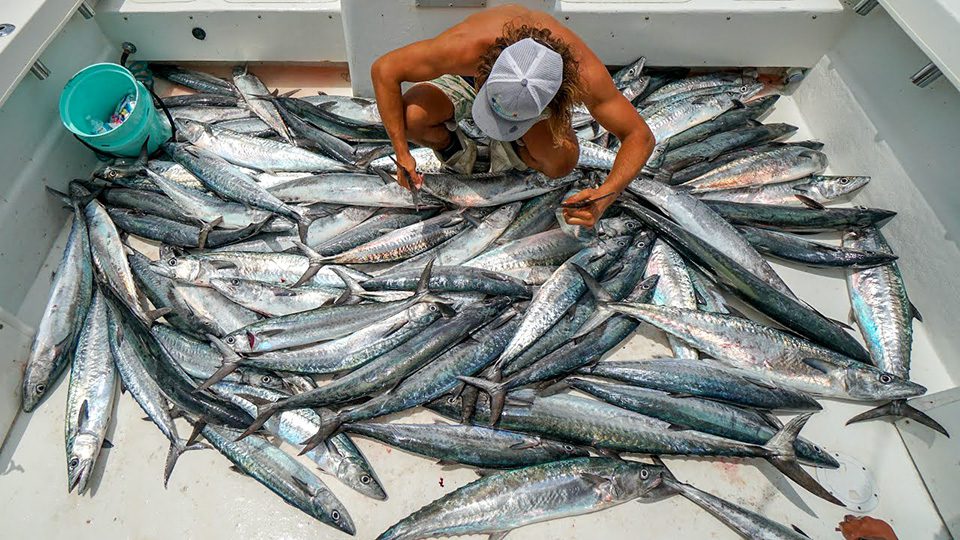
(617, 115)
(416, 62)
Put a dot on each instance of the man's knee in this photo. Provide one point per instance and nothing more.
(416, 117)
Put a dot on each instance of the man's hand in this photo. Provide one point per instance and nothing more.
(407, 171)
(586, 207)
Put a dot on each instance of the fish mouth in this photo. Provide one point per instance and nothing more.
(78, 478)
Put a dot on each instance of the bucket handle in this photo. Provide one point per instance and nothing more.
(156, 101)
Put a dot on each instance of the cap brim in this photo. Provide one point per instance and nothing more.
(492, 124)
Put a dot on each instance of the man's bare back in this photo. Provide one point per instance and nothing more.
(421, 114)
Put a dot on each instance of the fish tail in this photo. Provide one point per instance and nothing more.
(177, 448)
(264, 413)
(780, 453)
(900, 408)
(231, 361)
(315, 261)
(496, 391)
(329, 426)
(303, 226)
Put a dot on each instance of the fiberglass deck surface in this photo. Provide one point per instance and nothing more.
(206, 500)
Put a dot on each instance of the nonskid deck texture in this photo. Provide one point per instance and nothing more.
(206, 500)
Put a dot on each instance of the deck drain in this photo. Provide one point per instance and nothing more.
(852, 483)
(6, 29)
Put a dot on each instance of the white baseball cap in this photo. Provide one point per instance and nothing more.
(521, 84)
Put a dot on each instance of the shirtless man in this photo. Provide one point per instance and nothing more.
(528, 70)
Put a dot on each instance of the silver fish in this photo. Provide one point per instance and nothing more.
(701, 221)
(349, 189)
(252, 90)
(782, 357)
(254, 152)
(884, 313)
(90, 396)
(208, 208)
(340, 457)
(778, 165)
(62, 318)
(351, 351)
(109, 258)
(674, 288)
(543, 249)
(818, 188)
(492, 189)
(502, 502)
(281, 474)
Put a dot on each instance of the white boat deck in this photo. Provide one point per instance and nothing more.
(206, 500)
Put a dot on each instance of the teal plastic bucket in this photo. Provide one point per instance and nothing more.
(94, 92)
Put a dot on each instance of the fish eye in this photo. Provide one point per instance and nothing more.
(74, 461)
(335, 515)
(235, 282)
(743, 88)
(433, 307)
(568, 448)
(39, 389)
(641, 244)
(621, 244)
(644, 474)
(230, 340)
(172, 261)
(886, 378)
(266, 379)
(844, 180)
(451, 400)
(365, 479)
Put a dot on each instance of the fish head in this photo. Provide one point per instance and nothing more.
(38, 376)
(748, 89)
(255, 377)
(328, 509)
(232, 287)
(186, 269)
(358, 476)
(561, 450)
(832, 187)
(81, 458)
(190, 130)
(614, 246)
(423, 314)
(631, 73)
(867, 382)
(639, 480)
(245, 340)
(504, 215)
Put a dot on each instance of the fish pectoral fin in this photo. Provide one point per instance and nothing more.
(677, 427)
(483, 473)
(222, 265)
(916, 312)
(800, 531)
(598, 482)
(447, 464)
(237, 470)
(271, 332)
(106, 444)
(760, 382)
(526, 444)
(809, 202)
(83, 415)
(818, 364)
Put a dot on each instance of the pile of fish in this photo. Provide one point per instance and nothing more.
(300, 294)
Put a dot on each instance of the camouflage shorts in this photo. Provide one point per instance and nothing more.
(459, 92)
